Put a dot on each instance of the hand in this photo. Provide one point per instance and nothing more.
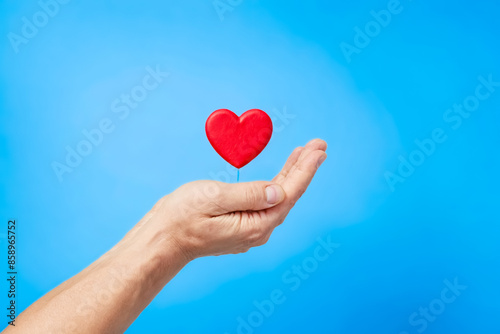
(213, 218)
(198, 219)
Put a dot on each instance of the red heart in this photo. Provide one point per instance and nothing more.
(238, 140)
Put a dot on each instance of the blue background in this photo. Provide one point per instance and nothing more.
(396, 247)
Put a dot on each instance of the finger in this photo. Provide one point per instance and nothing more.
(292, 159)
(258, 195)
(317, 144)
(300, 177)
(296, 184)
(298, 155)
(313, 145)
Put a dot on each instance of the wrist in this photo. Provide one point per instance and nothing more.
(156, 246)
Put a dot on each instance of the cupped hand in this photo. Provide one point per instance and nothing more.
(213, 218)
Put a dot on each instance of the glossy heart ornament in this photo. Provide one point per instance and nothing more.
(238, 140)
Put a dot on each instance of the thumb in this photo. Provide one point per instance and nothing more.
(258, 195)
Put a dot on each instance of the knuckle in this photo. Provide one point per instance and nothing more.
(262, 239)
(280, 220)
(256, 235)
(242, 250)
(265, 239)
(252, 196)
(282, 174)
(301, 191)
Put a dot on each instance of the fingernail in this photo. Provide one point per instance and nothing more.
(320, 160)
(272, 194)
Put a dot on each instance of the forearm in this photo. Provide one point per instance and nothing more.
(107, 296)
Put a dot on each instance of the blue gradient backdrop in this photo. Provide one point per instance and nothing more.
(397, 246)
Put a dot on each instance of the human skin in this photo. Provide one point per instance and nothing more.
(200, 218)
